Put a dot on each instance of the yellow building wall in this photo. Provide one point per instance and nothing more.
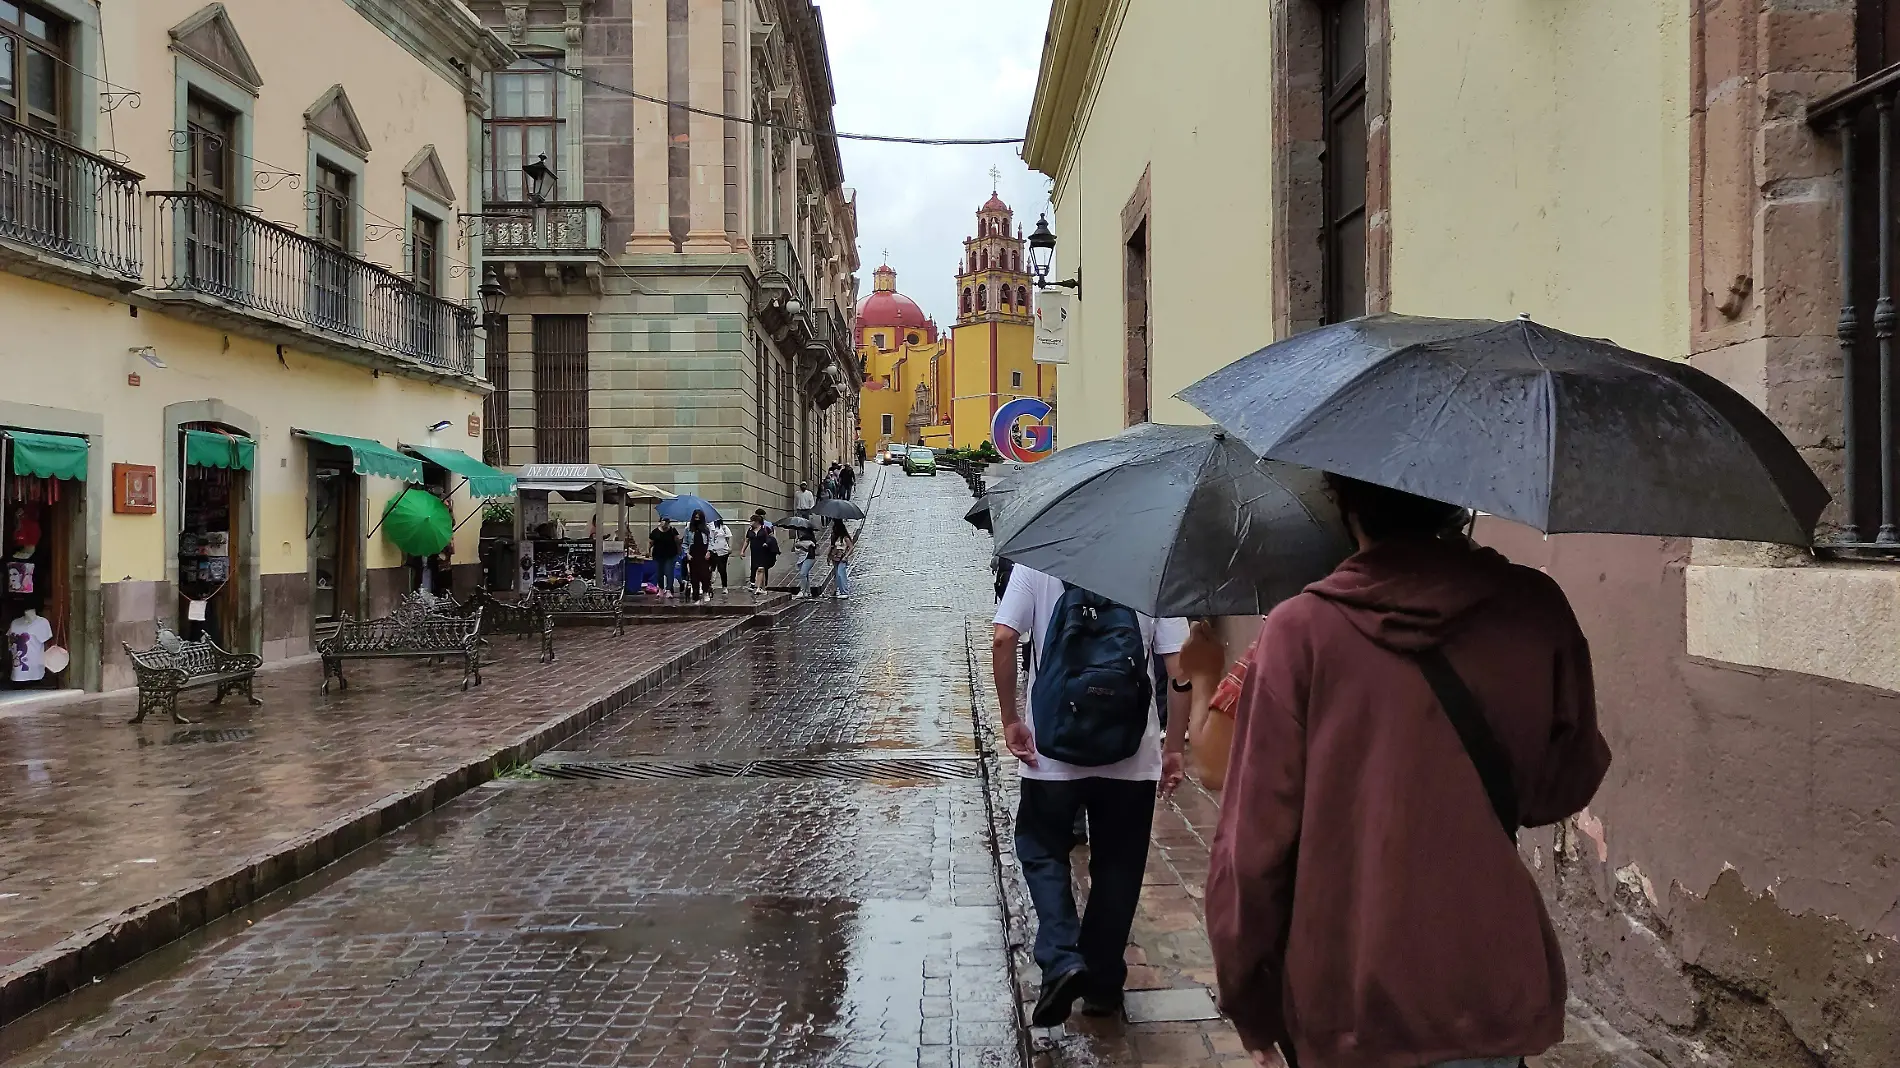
(1205, 143)
(402, 105)
(65, 349)
(970, 397)
(1540, 164)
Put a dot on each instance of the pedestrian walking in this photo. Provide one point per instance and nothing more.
(663, 544)
(804, 554)
(1090, 743)
(721, 538)
(764, 550)
(860, 453)
(803, 501)
(840, 557)
(1428, 690)
(847, 480)
(699, 558)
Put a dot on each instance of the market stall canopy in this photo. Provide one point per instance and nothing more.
(483, 480)
(417, 523)
(577, 482)
(372, 457)
(49, 455)
(208, 448)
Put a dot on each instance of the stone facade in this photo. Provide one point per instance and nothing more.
(718, 352)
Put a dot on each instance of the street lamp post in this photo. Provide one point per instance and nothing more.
(1042, 255)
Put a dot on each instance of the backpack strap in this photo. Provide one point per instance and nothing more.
(1481, 744)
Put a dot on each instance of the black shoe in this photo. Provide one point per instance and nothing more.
(1058, 997)
(1102, 1005)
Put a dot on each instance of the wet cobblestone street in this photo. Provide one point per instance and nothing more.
(729, 919)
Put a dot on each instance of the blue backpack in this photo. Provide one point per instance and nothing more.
(1093, 696)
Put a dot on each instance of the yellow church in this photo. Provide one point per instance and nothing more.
(924, 388)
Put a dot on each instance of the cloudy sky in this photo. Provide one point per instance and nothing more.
(933, 68)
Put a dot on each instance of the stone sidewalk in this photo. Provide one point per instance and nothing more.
(1171, 967)
(119, 838)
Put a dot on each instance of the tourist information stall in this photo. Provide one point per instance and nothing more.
(547, 549)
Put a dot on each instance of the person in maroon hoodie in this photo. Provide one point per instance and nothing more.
(1366, 905)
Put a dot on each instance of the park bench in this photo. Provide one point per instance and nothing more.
(498, 617)
(174, 665)
(581, 599)
(414, 632)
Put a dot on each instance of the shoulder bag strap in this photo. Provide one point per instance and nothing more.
(1481, 745)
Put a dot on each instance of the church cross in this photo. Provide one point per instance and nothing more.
(996, 178)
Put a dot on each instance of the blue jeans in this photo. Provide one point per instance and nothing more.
(804, 576)
(666, 564)
(841, 577)
(1120, 816)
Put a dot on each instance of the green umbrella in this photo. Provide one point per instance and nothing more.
(417, 523)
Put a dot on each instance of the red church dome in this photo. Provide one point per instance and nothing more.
(887, 307)
(994, 203)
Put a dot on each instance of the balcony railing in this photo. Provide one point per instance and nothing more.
(68, 202)
(208, 247)
(778, 266)
(570, 228)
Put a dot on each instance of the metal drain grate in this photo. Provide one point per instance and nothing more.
(212, 735)
(942, 769)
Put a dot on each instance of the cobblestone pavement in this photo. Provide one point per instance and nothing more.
(726, 920)
(100, 817)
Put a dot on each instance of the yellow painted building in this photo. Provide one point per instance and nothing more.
(265, 256)
(994, 339)
(903, 358)
(1668, 176)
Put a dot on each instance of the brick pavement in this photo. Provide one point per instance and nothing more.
(119, 837)
(723, 921)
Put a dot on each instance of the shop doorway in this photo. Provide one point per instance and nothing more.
(215, 475)
(42, 506)
(432, 574)
(335, 535)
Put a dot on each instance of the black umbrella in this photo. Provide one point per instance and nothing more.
(798, 522)
(1559, 432)
(1172, 521)
(979, 514)
(836, 508)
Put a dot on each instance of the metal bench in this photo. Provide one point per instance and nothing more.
(174, 665)
(411, 634)
(581, 599)
(498, 617)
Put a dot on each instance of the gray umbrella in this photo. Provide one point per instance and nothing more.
(1560, 432)
(835, 508)
(1172, 521)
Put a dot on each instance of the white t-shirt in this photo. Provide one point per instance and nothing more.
(26, 647)
(804, 501)
(720, 540)
(1027, 606)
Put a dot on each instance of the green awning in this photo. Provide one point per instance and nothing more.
(49, 455)
(483, 480)
(208, 448)
(373, 457)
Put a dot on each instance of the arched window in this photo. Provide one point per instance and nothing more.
(1022, 299)
(982, 298)
(966, 302)
(1002, 299)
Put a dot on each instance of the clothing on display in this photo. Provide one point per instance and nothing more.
(204, 548)
(26, 646)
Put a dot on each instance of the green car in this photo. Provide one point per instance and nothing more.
(919, 461)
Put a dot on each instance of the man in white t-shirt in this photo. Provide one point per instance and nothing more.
(802, 501)
(1081, 957)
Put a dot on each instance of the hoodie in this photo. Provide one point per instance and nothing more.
(1362, 901)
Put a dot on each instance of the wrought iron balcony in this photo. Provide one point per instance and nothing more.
(563, 230)
(68, 203)
(785, 292)
(206, 248)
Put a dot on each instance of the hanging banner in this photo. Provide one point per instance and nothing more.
(1052, 326)
(1021, 430)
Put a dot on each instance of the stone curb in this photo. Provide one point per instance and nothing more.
(111, 944)
(999, 801)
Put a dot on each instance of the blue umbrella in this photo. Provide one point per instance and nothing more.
(680, 509)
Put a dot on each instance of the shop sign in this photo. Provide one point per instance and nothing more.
(134, 489)
(474, 425)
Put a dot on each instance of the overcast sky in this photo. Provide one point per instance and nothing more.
(933, 68)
